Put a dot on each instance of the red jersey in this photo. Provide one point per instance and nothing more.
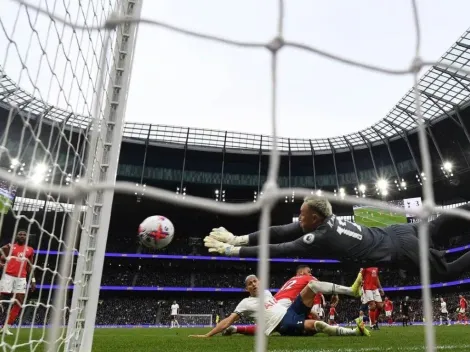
(370, 278)
(319, 299)
(332, 311)
(291, 289)
(388, 305)
(17, 265)
(463, 303)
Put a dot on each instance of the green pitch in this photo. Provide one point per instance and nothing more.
(449, 338)
(373, 217)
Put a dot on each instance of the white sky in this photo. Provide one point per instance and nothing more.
(177, 80)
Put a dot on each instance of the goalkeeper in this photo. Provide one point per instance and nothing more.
(319, 233)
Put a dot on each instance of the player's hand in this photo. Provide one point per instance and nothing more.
(32, 287)
(382, 293)
(222, 235)
(217, 246)
(199, 336)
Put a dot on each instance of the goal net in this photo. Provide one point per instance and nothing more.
(64, 74)
(199, 320)
(63, 93)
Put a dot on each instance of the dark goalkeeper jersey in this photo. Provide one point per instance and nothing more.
(335, 238)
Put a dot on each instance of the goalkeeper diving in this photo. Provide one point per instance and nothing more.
(319, 233)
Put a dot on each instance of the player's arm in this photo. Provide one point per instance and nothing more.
(277, 234)
(221, 326)
(307, 245)
(381, 290)
(323, 300)
(30, 271)
(4, 252)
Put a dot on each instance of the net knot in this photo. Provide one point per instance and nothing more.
(416, 65)
(113, 21)
(275, 45)
(426, 209)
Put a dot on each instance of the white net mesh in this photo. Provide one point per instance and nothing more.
(68, 83)
(194, 319)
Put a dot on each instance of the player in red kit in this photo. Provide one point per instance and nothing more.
(332, 315)
(462, 316)
(286, 295)
(388, 307)
(318, 304)
(17, 260)
(292, 288)
(372, 294)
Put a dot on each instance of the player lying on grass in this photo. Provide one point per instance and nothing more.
(17, 259)
(288, 293)
(319, 233)
(286, 321)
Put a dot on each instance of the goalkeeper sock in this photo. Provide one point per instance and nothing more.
(323, 327)
(246, 330)
(15, 310)
(329, 288)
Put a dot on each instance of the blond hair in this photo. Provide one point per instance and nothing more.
(319, 205)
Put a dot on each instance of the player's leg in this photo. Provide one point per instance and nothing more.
(249, 330)
(312, 326)
(378, 307)
(176, 321)
(18, 299)
(458, 266)
(440, 319)
(446, 226)
(7, 289)
(368, 298)
(329, 288)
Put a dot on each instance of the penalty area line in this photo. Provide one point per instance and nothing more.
(379, 349)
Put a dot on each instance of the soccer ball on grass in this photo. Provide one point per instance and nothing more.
(156, 232)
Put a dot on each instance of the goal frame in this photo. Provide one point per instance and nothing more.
(197, 315)
(93, 237)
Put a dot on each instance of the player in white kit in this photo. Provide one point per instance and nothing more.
(286, 321)
(174, 314)
(444, 312)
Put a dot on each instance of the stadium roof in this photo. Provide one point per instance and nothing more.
(442, 90)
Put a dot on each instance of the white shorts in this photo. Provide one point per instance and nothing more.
(316, 309)
(462, 310)
(332, 317)
(12, 284)
(388, 313)
(372, 295)
(285, 302)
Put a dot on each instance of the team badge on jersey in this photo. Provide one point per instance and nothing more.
(309, 238)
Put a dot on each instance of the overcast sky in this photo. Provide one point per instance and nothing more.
(177, 80)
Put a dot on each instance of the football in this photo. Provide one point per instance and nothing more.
(156, 232)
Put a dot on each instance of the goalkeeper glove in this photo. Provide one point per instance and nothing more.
(222, 235)
(220, 247)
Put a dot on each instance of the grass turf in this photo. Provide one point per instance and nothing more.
(370, 217)
(453, 338)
